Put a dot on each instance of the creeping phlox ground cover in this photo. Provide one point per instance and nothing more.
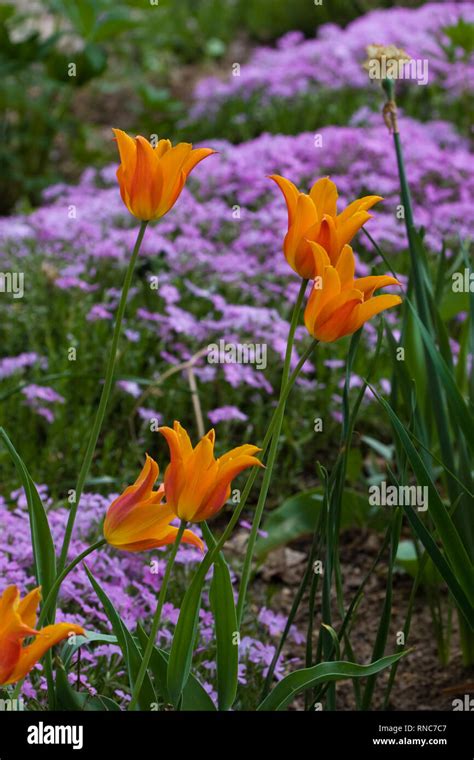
(143, 306)
(302, 83)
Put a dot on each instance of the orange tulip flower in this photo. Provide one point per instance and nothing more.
(17, 621)
(314, 218)
(137, 520)
(151, 178)
(339, 304)
(197, 485)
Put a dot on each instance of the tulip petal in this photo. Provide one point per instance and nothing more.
(28, 606)
(324, 196)
(328, 238)
(171, 168)
(44, 640)
(128, 154)
(219, 492)
(321, 258)
(324, 291)
(305, 218)
(290, 193)
(338, 323)
(161, 147)
(11, 624)
(369, 284)
(201, 471)
(335, 304)
(145, 188)
(346, 267)
(145, 517)
(246, 449)
(347, 229)
(139, 491)
(370, 308)
(331, 287)
(361, 204)
(195, 157)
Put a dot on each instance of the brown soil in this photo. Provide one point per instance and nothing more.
(422, 682)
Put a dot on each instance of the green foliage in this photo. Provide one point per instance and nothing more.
(326, 672)
(461, 35)
(41, 538)
(130, 650)
(41, 73)
(298, 516)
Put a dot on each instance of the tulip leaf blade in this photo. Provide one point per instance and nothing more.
(127, 644)
(195, 697)
(457, 405)
(179, 666)
(325, 672)
(69, 699)
(69, 648)
(44, 554)
(227, 633)
(459, 564)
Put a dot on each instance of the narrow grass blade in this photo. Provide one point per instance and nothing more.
(450, 539)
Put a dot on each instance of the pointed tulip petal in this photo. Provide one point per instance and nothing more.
(324, 196)
(44, 640)
(28, 607)
(290, 193)
(365, 311)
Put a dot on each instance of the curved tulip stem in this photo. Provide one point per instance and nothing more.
(267, 476)
(104, 398)
(157, 618)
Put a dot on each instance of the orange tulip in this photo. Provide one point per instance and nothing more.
(17, 621)
(151, 178)
(197, 485)
(339, 304)
(137, 520)
(314, 218)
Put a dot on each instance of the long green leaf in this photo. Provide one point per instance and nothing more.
(450, 539)
(459, 408)
(69, 699)
(326, 672)
(125, 640)
(227, 634)
(42, 541)
(69, 649)
(442, 565)
(195, 697)
(179, 666)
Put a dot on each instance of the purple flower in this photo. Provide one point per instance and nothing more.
(225, 414)
(130, 387)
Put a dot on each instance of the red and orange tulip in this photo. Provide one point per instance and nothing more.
(17, 621)
(137, 520)
(152, 178)
(339, 304)
(314, 218)
(197, 485)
